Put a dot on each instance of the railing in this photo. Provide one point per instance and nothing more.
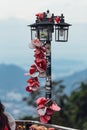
(25, 124)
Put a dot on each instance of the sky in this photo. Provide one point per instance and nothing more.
(15, 15)
(74, 10)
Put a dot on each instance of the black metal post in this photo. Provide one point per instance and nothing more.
(48, 71)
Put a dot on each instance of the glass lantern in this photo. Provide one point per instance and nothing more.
(61, 33)
(33, 31)
(61, 30)
(43, 31)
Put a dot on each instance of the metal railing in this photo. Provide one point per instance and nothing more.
(25, 124)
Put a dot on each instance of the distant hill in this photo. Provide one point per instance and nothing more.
(12, 78)
(12, 90)
(72, 82)
(13, 83)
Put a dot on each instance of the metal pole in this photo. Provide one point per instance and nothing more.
(48, 71)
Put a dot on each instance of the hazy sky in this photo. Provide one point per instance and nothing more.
(15, 36)
(74, 10)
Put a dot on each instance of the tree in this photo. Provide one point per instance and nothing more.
(77, 107)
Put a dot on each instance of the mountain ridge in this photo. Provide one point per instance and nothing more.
(13, 83)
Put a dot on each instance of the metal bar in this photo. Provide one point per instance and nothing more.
(57, 127)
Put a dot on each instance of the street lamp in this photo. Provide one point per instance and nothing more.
(42, 29)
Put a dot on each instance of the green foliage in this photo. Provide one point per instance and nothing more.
(77, 107)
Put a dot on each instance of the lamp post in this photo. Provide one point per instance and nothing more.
(45, 24)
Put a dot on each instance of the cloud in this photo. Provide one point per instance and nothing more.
(14, 96)
(16, 111)
(8, 104)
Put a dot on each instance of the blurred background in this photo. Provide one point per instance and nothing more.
(69, 64)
